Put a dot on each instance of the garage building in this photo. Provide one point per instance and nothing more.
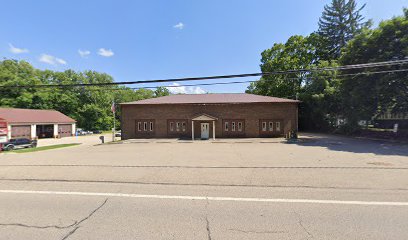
(206, 116)
(34, 123)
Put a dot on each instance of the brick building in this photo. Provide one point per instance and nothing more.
(34, 123)
(209, 116)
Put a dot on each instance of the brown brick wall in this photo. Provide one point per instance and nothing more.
(252, 113)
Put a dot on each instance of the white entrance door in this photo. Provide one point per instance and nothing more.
(205, 130)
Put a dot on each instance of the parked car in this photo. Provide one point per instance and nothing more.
(19, 143)
(97, 131)
(81, 132)
(118, 133)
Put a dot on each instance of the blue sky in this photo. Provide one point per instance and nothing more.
(139, 40)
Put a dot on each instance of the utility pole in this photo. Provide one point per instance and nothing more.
(114, 120)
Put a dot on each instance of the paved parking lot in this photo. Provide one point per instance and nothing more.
(92, 139)
(323, 187)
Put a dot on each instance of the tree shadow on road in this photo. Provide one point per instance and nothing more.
(346, 144)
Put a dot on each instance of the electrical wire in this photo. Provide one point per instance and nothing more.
(238, 82)
(337, 76)
(346, 67)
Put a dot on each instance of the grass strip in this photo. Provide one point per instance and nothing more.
(37, 149)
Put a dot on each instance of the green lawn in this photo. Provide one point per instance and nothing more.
(26, 150)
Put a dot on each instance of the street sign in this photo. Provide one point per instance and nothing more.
(3, 139)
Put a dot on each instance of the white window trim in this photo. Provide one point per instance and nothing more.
(278, 126)
(183, 126)
(270, 126)
(239, 126)
(264, 126)
(178, 126)
(226, 126)
(171, 126)
(233, 126)
(144, 126)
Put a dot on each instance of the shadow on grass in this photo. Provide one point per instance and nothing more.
(348, 144)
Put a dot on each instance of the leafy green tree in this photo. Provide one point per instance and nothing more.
(339, 23)
(90, 106)
(161, 92)
(15, 73)
(321, 101)
(318, 90)
(297, 53)
(366, 96)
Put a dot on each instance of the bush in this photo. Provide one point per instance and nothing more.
(348, 129)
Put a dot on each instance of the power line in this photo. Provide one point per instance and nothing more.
(338, 76)
(346, 67)
(238, 82)
(242, 82)
(250, 81)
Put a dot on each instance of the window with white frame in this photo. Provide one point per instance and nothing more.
(145, 125)
(278, 126)
(263, 126)
(233, 127)
(270, 126)
(175, 126)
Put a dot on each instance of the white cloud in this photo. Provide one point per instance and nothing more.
(179, 25)
(60, 61)
(177, 89)
(16, 50)
(45, 58)
(105, 52)
(84, 53)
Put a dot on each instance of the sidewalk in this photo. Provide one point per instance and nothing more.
(84, 140)
(199, 141)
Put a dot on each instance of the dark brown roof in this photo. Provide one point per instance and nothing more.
(18, 115)
(213, 98)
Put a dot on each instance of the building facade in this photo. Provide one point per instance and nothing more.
(34, 123)
(203, 116)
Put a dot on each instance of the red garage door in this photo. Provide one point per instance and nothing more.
(23, 131)
(65, 130)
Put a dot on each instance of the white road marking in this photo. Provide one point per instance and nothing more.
(271, 200)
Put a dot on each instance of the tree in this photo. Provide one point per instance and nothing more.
(321, 103)
(366, 96)
(90, 106)
(297, 53)
(318, 90)
(339, 23)
(15, 73)
(161, 92)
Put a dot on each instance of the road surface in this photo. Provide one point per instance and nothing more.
(324, 188)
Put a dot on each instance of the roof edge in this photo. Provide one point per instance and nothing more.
(223, 103)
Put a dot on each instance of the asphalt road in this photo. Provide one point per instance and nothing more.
(323, 188)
